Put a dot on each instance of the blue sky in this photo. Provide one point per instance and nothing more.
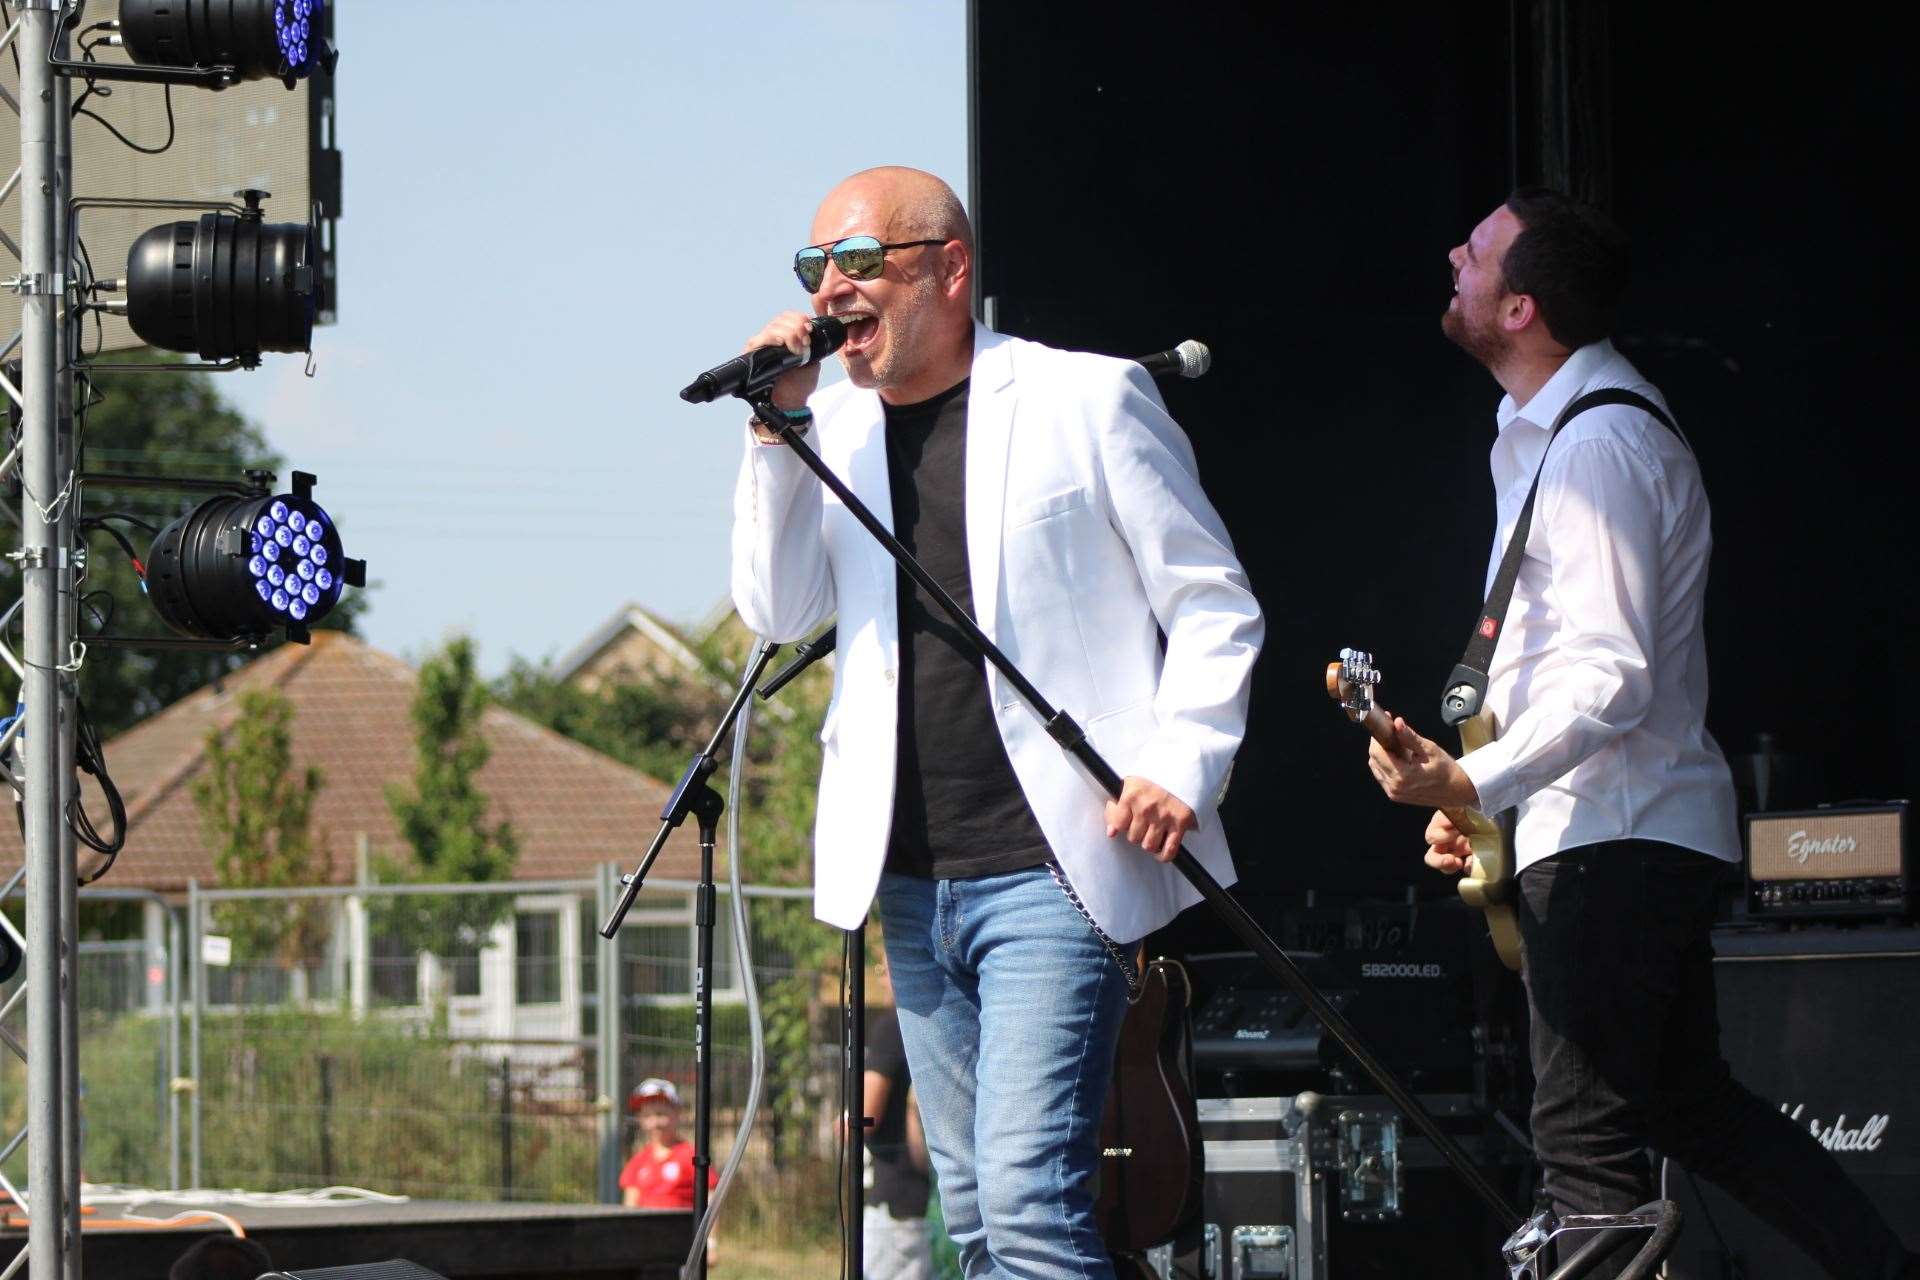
(535, 257)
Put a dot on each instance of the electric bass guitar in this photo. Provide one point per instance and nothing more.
(1488, 882)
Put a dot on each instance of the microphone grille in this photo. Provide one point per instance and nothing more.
(1195, 359)
(829, 332)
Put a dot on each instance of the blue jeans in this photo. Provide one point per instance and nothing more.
(1009, 1007)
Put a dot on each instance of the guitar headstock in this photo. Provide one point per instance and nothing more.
(1351, 682)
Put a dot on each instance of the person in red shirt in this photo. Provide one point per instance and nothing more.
(660, 1174)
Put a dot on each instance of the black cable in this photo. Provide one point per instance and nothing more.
(1706, 1211)
(126, 544)
(90, 757)
(79, 110)
(101, 618)
(92, 396)
(133, 520)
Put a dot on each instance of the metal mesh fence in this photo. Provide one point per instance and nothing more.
(474, 1071)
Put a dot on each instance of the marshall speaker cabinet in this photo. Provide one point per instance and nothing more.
(1833, 863)
(1824, 1023)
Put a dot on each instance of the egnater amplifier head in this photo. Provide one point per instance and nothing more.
(1831, 862)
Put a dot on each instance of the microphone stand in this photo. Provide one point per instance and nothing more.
(693, 795)
(1072, 739)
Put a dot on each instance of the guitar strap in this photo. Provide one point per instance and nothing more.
(1467, 686)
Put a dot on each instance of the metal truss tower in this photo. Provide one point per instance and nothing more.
(44, 735)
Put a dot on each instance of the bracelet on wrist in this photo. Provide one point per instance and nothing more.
(799, 419)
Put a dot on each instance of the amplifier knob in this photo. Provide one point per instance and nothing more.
(1797, 893)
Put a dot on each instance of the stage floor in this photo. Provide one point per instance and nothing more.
(460, 1240)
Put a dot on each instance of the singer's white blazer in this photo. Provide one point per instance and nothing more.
(1088, 535)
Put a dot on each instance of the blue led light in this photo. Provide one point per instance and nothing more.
(278, 510)
(264, 526)
(298, 608)
(253, 543)
(323, 578)
(265, 591)
(276, 575)
(305, 569)
(319, 553)
(300, 545)
(258, 566)
(281, 536)
(316, 530)
(270, 549)
(296, 521)
(310, 593)
(281, 600)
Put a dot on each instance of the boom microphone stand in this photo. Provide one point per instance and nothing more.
(693, 795)
(1073, 740)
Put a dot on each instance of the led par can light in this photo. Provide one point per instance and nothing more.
(283, 39)
(226, 286)
(243, 566)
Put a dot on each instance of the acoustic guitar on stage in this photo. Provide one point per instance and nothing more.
(1488, 882)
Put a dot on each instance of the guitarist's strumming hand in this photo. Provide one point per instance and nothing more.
(1419, 771)
(1447, 849)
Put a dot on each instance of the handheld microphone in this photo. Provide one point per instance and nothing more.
(753, 370)
(1190, 359)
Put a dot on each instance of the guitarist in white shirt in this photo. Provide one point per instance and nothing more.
(1598, 682)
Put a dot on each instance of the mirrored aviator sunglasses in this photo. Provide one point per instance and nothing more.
(858, 257)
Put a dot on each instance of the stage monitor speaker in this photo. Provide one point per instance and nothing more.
(393, 1270)
(1820, 1022)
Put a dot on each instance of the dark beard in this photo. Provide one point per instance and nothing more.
(1487, 345)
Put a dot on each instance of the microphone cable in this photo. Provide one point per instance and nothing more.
(743, 957)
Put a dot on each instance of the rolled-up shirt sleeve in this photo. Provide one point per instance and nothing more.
(1599, 507)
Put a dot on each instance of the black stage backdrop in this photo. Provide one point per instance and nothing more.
(1284, 184)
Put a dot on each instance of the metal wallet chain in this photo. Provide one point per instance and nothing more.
(1114, 949)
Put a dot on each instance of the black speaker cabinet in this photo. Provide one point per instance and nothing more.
(1825, 1023)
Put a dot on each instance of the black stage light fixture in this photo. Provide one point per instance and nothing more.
(242, 566)
(227, 285)
(249, 39)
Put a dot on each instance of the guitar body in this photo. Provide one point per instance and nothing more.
(1151, 1165)
(1488, 885)
(1488, 882)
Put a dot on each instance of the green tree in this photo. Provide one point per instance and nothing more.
(443, 815)
(256, 810)
(655, 727)
(173, 424)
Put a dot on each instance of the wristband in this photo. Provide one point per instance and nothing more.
(799, 419)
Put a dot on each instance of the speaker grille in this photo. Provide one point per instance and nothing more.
(1833, 844)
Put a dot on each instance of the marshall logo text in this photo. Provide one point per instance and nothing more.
(1866, 1136)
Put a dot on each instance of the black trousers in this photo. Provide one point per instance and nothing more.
(1626, 1055)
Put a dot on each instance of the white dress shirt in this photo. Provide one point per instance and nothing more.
(1599, 681)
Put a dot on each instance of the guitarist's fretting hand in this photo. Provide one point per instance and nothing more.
(1419, 771)
(1447, 849)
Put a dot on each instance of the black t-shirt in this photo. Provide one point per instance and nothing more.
(896, 1183)
(958, 810)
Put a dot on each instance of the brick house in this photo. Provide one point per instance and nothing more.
(571, 808)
